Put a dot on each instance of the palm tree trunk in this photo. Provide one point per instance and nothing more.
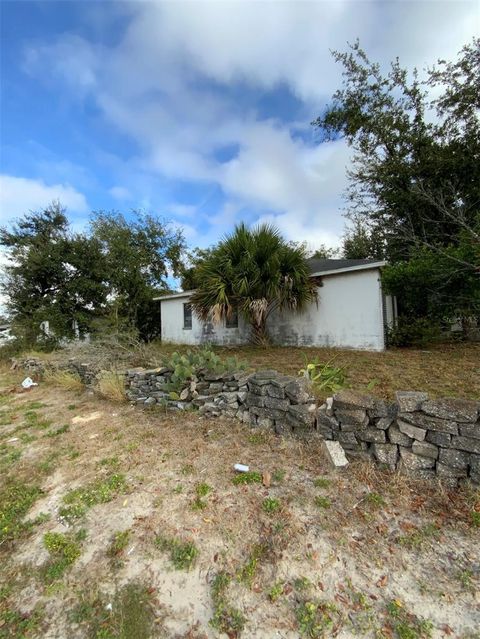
(259, 335)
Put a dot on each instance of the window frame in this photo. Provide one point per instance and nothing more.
(228, 322)
(187, 316)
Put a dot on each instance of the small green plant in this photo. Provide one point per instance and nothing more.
(118, 544)
(324, 377)
(322, 482)
(109, 462)
(78, 501)
(466, 579)
(475, 518)
(271, 505)
(187, 469)
(14, 624)
(257, 438)
(201, 490)
(246, 574)
(302, 584)
(278, 476)
(226, 618)
(316, 618)
(322, 502)
(183, 554)
(405, 624)
(250, 477)
(375, 500)
(64, 550)
(276, 591)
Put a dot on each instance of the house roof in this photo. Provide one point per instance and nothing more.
(333, 266)
(317, 267)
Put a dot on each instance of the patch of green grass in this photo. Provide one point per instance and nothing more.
(375, 500)
(419, 536)
(71, 407)
(178, 489)
(226, 618)
(17, 625)
(78, 501)
(258, 438)
(183, 554)
(16, 499)
(466, 579)
(201, 490)
(8, 457)
(59, 431)
(247, 478)
(109, 462)
(187, 469)
(271, 505)
(118, 544)
(132, 614)
(64, 550)
(316, 619)
(405, 624)
(322, 502)
(322, 482)
(34, 420)
(475, 519)
(302, 584)
(47, 465)
(29, 406)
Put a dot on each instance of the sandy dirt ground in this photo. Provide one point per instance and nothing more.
(305, 552)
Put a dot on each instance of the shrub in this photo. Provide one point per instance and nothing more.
(411, 331)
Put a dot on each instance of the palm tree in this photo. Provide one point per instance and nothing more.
(255, 272)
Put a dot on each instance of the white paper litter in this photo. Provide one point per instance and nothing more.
(28, 382)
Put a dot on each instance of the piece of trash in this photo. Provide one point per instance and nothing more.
(267, 479)
(125, 503)
(93, 436)
(13, 439)
(241, 468)
(131, 550)
(109, 607)
(28, 383)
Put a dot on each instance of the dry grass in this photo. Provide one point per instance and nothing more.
(111, 385)
(443, 371)
(64, 379)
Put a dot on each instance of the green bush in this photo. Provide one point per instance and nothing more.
(411, 331)
(323, 376)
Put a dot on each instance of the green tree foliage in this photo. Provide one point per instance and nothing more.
(414, 185)
(189, 272)
(256, 272)
(139, 253)
(53, 274)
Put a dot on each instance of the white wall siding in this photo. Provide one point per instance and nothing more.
(348, 315)
(200, 333)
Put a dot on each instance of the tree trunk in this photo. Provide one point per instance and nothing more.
(259, 336)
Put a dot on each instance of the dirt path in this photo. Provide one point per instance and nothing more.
(159, 542)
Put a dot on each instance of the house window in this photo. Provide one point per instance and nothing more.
(232, 321)
(187, 316)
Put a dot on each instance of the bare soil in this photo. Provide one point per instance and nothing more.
(371, 553)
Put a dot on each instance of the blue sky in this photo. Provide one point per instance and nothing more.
(198, 111)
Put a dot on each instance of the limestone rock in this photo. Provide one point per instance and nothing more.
(372, 435)
(386, 454)
(458, 410)
(411, 431)
(429, 423)
(335, 454)
(439, 439)
(349, 399)
(424, 449)
(410, 401)
(470, 430)
(396, 437)
(466, 443)
(414, 462)
(455, 458)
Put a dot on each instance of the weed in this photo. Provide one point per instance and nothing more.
(257, 438)
(117, 547)
(16, 499)
(278, 476)
(226, 619)
(64, 550)
(203, 490)
(302, 584)
(271, 505)
(466, 579)
(183, 554)
(59, 431)
(46, 466)
(110, 462)
(250, 477)
(16, 625)
(475, 519)
(316, 618)
(8, 457)
(178, 489)
(71, 407)
(375, 500)
(32, 420)
(322, 502)
(324, 377)
(418, 537)
(276, 591)
(79, 500)
(187, 469)
(322, 482)
(246, 574)
(129, 616)
(405, 624)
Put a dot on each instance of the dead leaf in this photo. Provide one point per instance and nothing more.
(382, 582)
(267, 479)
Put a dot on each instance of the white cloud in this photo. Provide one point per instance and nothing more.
(120, 193)
(167, 83)
(19, 195)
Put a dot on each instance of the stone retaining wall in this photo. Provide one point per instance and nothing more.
(428, 438)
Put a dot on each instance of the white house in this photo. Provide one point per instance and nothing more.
(351, 312)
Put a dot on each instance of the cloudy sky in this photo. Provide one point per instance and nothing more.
(198, 111)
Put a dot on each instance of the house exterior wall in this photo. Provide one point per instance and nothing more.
(200, 333)
(349, 314)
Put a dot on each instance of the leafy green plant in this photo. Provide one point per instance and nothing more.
(251, 477)
(183, 554)
(316, 618)
(271, 505)
(119, 542)
(405, 624)
(324, 377)
(16, 499)
(276, 591)
(322, 482)
(322, 502)
(64, 550)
